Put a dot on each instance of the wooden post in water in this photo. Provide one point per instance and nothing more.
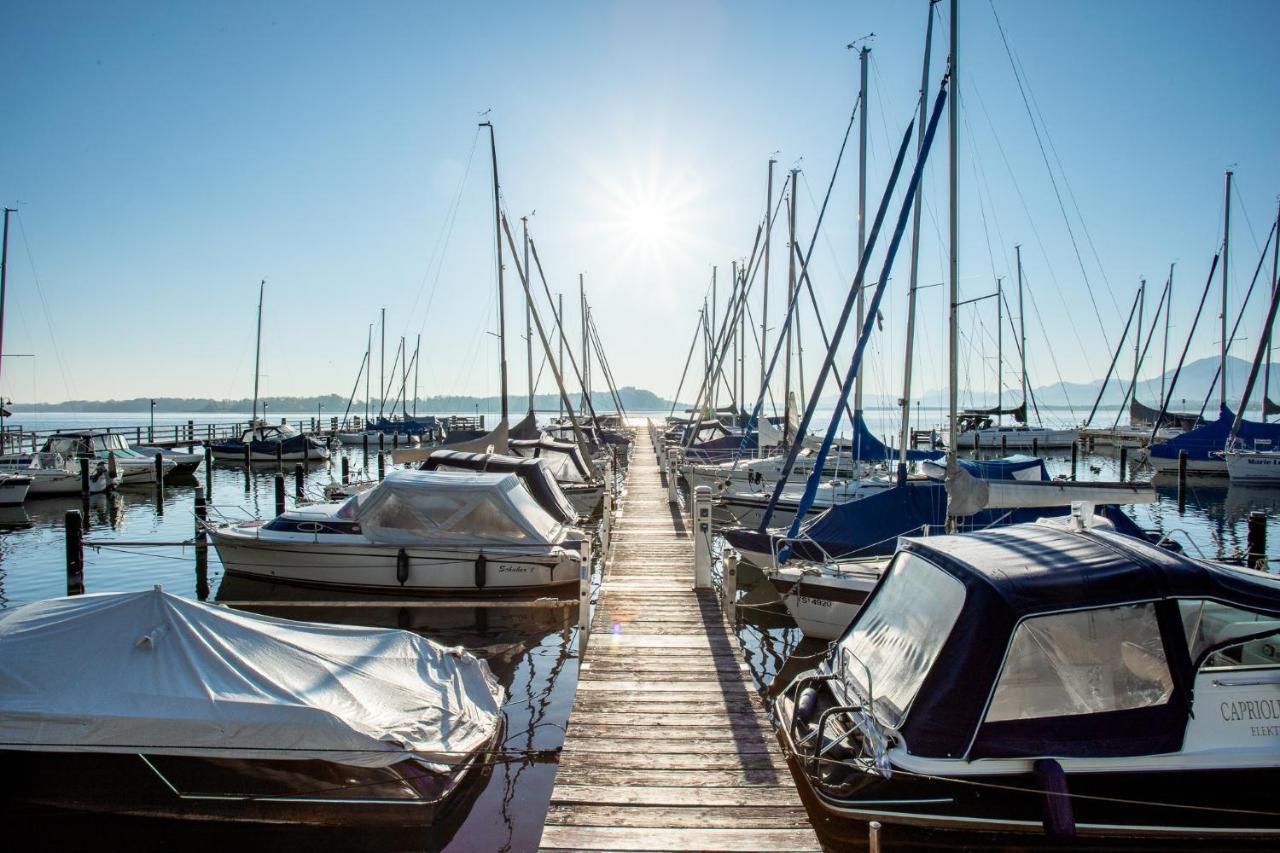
(1075, 453)
(202, 514)
(191, 436)
(364, 440)
(299, 475)
(208, 472)
(1182, 481)
(75, 553)
(346, 471)
(382, 465)
(84, 477)
(1004, 444)
(1124, 463)
(159, 461)
(1035, 446)
(1258, 540)
(279, 493)
(280, 454)
(248, 454)
(202, 546)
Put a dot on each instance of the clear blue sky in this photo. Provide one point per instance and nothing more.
(167, 156)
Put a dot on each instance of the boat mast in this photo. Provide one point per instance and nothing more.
(4, 271)
(1137, 338)
(528, 314)
(1275, 284)
(417, 350)
(368, 355)
(404, 378)
(1226, 236)
(586, 365)
(863, 53)
(953, 138)
(999, 351)
(560, 327)
(1022, 333)
(497, 238)
(791, 295)
(1164, 359)
(382, 368)
(764, 311)
(905, 436)
(257, 352)
(715, 342)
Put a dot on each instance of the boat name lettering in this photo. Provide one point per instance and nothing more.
(816, 602)
(1251, 709)
(505, 567)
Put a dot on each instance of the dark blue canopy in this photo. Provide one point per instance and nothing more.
(1005, 469)
(866, 446)
(1204, 441)
(1025, 570)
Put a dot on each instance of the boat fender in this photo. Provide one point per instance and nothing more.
(481, 565)
(402, 566)
(1059, 817)
(806, 703)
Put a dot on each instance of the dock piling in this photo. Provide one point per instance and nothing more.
(159, 462)
(346, 470)
(382, 465)
(279, 492)
(1035, 446)
(299, 475)
(202, 514)
(1004, 445)
(75, 553)
(1182, 481)
(1124, 462)
(1075, 456)
(84, 477)
(1258, 540)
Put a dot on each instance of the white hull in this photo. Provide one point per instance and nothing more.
(389, 442)
(823, 601)
(314, 454)
(1215, 467)
(584, 498)
(13, 490)
(1129, 436)
(354, 564)
(49, 482)
(746, 509)
(1018, 438)
(1256, 467)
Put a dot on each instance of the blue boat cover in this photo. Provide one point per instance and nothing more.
(1006, 468)
(866, 446)
(1017, 572)
(1203, 442)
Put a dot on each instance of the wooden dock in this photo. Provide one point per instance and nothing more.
(668, 744)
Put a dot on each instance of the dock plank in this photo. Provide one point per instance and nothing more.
(668, 745)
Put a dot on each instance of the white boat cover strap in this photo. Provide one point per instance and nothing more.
(151, 672)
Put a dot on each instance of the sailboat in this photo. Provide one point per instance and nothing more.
(261, 441)
(1259, 463)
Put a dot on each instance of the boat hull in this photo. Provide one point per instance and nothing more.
(1019, 439)
(1256, 468)
(369, 567)
(13, 490)
(823, 603)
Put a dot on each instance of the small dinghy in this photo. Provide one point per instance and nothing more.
(194, 711)
(1048, 678)
(416, 531)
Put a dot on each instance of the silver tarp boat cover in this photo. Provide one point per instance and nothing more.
(151, 672)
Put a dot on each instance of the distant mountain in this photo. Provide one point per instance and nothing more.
(633, 399)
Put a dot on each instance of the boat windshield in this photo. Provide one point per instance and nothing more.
(1212, 626)
(1083, 662)
(110, 441)
(897, 636)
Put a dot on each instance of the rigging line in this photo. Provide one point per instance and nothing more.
(1142, 356)
(1026, 209)
(1053, 358)
(44, 307)
(1052, 178)
(1173, 381)
(1240, 205)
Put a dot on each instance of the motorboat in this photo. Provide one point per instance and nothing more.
(184, 464)
(13, 489)
(416, 531)
(135, 469)
(1048, 678)
(269, 442)
(533, 473)
(201, 712)
(1257, 466)
(577, 477)
(54, 474)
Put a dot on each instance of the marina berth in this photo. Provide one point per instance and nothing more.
(415, 532)
(1130, 692)
(195, 711)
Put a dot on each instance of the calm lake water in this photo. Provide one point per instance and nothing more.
(533, 653)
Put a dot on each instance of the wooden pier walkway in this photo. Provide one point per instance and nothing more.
(668, 744)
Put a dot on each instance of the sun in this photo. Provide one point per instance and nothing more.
(648, 221)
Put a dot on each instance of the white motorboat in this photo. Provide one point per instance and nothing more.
(1255, 466)
(53, 474)
(13, 489)
(416, 531)
(200, 712)
(183, 463)
(134, 468)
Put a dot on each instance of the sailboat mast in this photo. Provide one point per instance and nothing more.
(586, 366)
(404, 379)
(999, 351)
(791, 295)
(4, 272)
(1137, 338)
(382, 368)
(1275, 283)
(905, 437)
(1226, 237)
(953, 332)
(497, 239)
(715, 342)
(1164, 359)
(863, 53)
(417, 350)
(257, 352)
(560, 326)
(368, 372)
(528, 314)
(764, 311)
(1022, 330)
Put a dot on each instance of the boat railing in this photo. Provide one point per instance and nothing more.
(1168, 537)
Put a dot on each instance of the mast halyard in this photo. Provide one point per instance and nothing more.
(368, 372)
(257, 353)
(497, 239)
(999, 351)
(1275, 284)
(417, 350)
(4, 272)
